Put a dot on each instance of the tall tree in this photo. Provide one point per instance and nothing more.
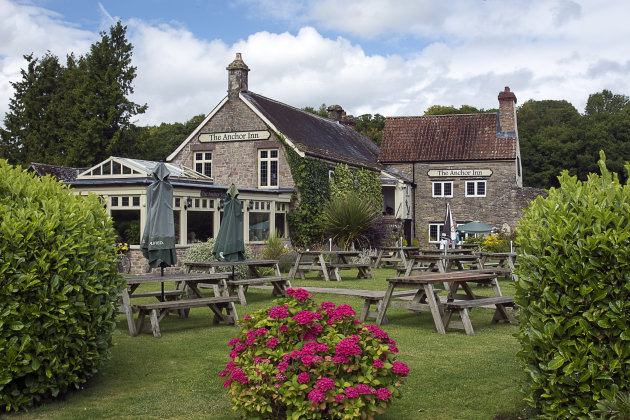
(448, 110)
(102, 111)
(33, 131)
(371, 126)
(74, 115)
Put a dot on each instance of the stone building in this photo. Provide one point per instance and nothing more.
(471, 161)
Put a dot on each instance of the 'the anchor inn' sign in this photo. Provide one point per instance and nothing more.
(459, 172)
(239, 135)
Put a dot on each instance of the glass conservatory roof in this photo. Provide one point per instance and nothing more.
(117, 167)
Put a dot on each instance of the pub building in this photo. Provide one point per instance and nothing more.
(241, 142)
(471, 161)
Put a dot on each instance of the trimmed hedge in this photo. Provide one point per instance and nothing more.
(58, 288)
(574, 294)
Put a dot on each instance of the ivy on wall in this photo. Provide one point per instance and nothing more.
(311, 178)
(366, 183)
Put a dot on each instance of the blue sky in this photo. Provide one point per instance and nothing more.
(393, 57)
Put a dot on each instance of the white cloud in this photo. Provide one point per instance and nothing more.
(459, 52)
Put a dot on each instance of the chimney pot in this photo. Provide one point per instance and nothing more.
(507, 111)
(237, 77)
(335, 112)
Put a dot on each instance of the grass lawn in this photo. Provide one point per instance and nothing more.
(452, 376)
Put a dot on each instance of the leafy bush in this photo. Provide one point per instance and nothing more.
(348, 219)
(499, 242)
(202, 251)
(574, 294)
(297, 360)
(617, 408)
(276, 249)
(363, 182)
(59, 288)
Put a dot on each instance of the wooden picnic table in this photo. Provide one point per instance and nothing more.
(329, 263)
(504, 262)
(394, 255)
(440, 262)
(252, 278)
(426, 300)
(189, 296)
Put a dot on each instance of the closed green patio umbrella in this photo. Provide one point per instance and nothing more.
(229, 245)
(158, 238)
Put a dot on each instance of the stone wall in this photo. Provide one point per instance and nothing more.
(504, 201)
(236, 161)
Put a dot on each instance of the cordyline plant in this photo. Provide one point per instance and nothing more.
(298, 360)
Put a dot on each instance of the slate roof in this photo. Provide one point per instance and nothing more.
(62, 173)
(457, 137)
(315, 135)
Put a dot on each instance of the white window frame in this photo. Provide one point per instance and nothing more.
(476, 184)
(441, 183)
(266, 181)
(206, 158)
(440, 229)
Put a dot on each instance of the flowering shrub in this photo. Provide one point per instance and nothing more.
(299, 360)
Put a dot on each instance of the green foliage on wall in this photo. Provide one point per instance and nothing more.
(574, 294)
(311, 178)
(365, 183)
(58, 285)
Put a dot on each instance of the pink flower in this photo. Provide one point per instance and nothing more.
(249, 341)
(351, 392)
(378, 363)
(322, 348)
(234, 342)
(239, 375)
(310, 347)
(227, 383)
(233, 354)
(283, 366)
(316, 396)
(325, 384)
(306, 317)
(339, 359)
(400, 368)
(378, 333)
(393, 348)
(363, 389)
(281, 377)
(299, 294)
(272, 343)
(340, 312)
(283, 328)
(279, 312)
(247, 317)
(303, 378)
(307, 360)
(383, 394)
(348, 347)
(327, 305)
(339, 397)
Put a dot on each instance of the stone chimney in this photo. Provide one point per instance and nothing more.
(507, 111)
(237, 77)
(349, 121)
(335, 112)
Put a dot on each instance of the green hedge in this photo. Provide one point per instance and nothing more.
(58, 288)
(574, 294)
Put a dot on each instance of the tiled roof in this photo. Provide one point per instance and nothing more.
(445, 138)
(316, 135)
(62, 173)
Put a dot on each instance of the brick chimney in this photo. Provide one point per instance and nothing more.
(237, 77)
(507, 111)
(335, 112)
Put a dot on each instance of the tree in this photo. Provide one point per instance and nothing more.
(74, 115)
(605, 102)
(33, 130)
(371, 127)
(102, 112)
(322, 111)
(157, 142)
(448, 110)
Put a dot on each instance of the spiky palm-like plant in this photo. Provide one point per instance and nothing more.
(348, 219)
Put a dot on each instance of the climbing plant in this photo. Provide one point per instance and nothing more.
(311, 178)
(364, 182)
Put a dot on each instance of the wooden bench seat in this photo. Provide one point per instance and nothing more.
(370, 297)
(157, 310)
(348, 265)
(173, 293)
(463, 308)
(280, 285)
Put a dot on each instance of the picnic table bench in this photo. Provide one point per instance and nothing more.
(463, 308)
(279, 284)
(370, 297)
(157, 310)
(329, 263)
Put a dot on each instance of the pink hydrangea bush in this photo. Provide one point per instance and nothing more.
(300, 360)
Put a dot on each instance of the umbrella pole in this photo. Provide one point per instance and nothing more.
(162, 283)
